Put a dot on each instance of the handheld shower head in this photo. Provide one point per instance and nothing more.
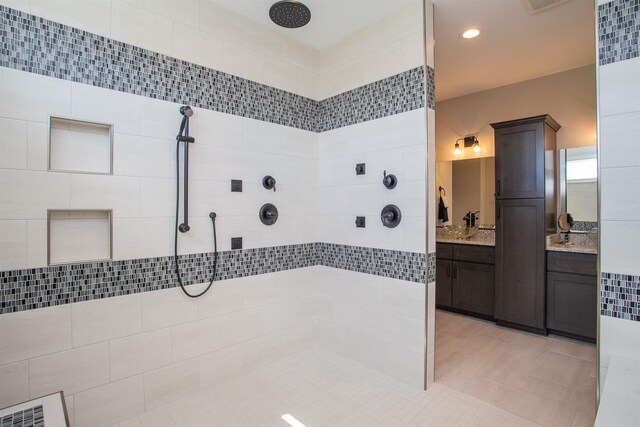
(186, 111)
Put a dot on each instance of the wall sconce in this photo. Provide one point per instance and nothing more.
(469, 142)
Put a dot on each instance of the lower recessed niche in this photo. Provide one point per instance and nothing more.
(79, 146)
(78, 236)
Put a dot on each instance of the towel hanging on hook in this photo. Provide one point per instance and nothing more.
(443, 206)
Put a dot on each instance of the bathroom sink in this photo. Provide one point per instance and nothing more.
(459, 231)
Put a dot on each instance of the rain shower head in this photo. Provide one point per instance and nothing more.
(186, 111)
(290, 14)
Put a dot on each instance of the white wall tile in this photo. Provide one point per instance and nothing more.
(13, 144)
(221, 365)
(260, 290)
(619, 88)
(223, 297)
(280, 74)
(297, 339)
(262, 136)
(37, 146)
(403, 23)
(618, 338)
(123, 110)
(33, 333)
(142, 237)
(262, 351)
(161, 119)
(142, 156)
(195, 338)
(403, 364)
(384, 62)
(262, 39)
(404, 297)
(220, 21)
(205, 162)
(365, 349)
(109, 404)
(241, 326)
(71, 371)
(242, 62)
(37, 243)
(13, 245)
(618, 243)
(15, 383)
(617, 185)
(158, 197)
(171, 383)
(197, 46)
(219, 129)
(140, 27)
(244, 165)
(27, 96)
(105, 319)
(140, 353)
(299, 54)
(183, 11)
(28, 194)
(122, 194)
(617, 140)
(166, 308)
(88, 15)
(413, 51)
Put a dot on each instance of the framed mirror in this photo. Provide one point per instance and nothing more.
(579, 179)
(469, 186)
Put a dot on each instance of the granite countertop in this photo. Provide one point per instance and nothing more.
(578, 243)
(481, 238)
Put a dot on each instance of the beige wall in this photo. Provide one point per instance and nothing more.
(569, 97)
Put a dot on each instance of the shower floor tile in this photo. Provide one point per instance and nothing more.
(320, 388)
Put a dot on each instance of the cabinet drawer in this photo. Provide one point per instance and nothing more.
(444, 250)
(568, 262)
(472, 253)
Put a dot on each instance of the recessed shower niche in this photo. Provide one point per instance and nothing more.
(80, 146)
(78, 236)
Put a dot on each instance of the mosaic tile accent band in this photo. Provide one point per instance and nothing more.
(618, 31)
(393, 95)
(408, 266)
(56, 285)
(48, 48)
(584, 225)
(431, 269)
(620, 296)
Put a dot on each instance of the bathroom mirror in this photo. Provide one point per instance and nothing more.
(580, 180)
(469, 187)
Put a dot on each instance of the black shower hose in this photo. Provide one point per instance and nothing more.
(212, 215)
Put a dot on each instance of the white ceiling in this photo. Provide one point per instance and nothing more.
(331, 20)
(514, 46)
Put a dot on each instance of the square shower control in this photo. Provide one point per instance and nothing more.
(236, 243)
(236, 186)
(360, 169)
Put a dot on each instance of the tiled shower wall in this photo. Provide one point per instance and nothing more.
(141, 349)
(619, 115)
(358, 318)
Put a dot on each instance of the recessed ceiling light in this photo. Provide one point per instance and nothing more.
(471, 33)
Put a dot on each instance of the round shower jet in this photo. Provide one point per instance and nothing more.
(290, 14)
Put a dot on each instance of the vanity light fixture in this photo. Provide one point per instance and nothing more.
(469, 142)
(471, 33)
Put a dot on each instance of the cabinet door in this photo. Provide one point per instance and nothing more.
(572, 304)
(520, 263)
(443, 282)
(520, 170)
(473, 287)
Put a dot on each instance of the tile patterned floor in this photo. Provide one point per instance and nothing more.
(547, 380)
(485, 376)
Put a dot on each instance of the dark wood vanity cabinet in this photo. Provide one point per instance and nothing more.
(525, 211)
(465, 278)
(520, 262)
(525, 152)
(572, 294)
